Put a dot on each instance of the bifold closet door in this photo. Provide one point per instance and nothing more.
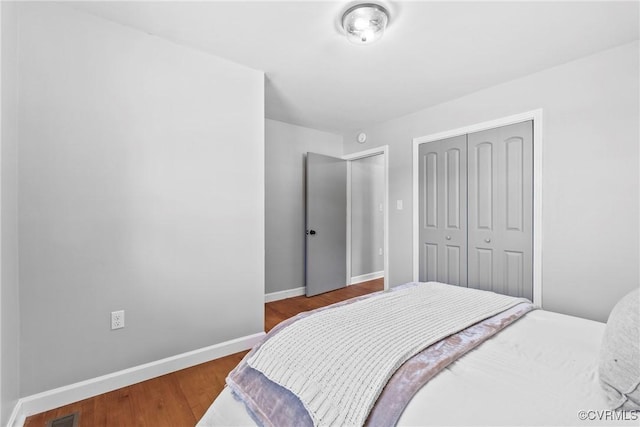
(443, 211)
(500, 208)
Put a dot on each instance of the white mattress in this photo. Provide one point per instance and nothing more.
(542, 370)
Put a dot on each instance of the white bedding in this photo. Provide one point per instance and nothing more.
(339, 374)
(542, 370)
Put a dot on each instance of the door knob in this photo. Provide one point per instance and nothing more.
(448, 237)
(487, 240)
(312, 232)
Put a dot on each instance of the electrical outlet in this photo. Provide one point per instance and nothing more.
(379, 251)
(117, 319)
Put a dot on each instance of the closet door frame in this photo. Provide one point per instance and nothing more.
(536, 117)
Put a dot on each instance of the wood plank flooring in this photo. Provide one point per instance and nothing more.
(181, 398)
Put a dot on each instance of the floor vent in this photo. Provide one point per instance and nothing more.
(70, 420)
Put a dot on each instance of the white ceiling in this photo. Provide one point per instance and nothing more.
(432, 51)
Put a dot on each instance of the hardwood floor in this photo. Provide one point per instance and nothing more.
(277, 311)
(181, 398)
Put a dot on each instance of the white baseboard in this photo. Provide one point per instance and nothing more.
(61, 396)
(367, 277)
(296, 292)
(289, 293)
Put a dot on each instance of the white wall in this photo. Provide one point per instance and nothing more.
(590, 173)
(286, 148)
(141, 187)
(9, 307)
(367, 217)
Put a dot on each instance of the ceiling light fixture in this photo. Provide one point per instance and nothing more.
(365, 23)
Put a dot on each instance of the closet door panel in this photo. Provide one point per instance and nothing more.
(501, 209)
(482, 207)
(431, 190)
(484, 179)
(484, 268)
(514, 163)
(430, 262)
(443, 211)
(513, 274)
(516, 214)
(453, 184)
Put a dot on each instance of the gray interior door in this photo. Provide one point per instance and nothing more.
(326, 257)
(443, 211)
(501, 209)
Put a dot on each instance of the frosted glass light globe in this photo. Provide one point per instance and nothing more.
(365, 23)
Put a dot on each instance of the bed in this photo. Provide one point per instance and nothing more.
(541, 369)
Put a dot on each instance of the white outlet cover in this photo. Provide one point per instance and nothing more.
(117, 319)
(399, 205)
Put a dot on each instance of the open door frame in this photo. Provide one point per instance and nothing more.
(384, 151)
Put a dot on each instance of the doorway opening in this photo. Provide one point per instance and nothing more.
(367, 218)
(368, 172)
(346, 220)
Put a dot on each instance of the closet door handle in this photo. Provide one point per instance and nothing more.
(487, 240)
(448, 237)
